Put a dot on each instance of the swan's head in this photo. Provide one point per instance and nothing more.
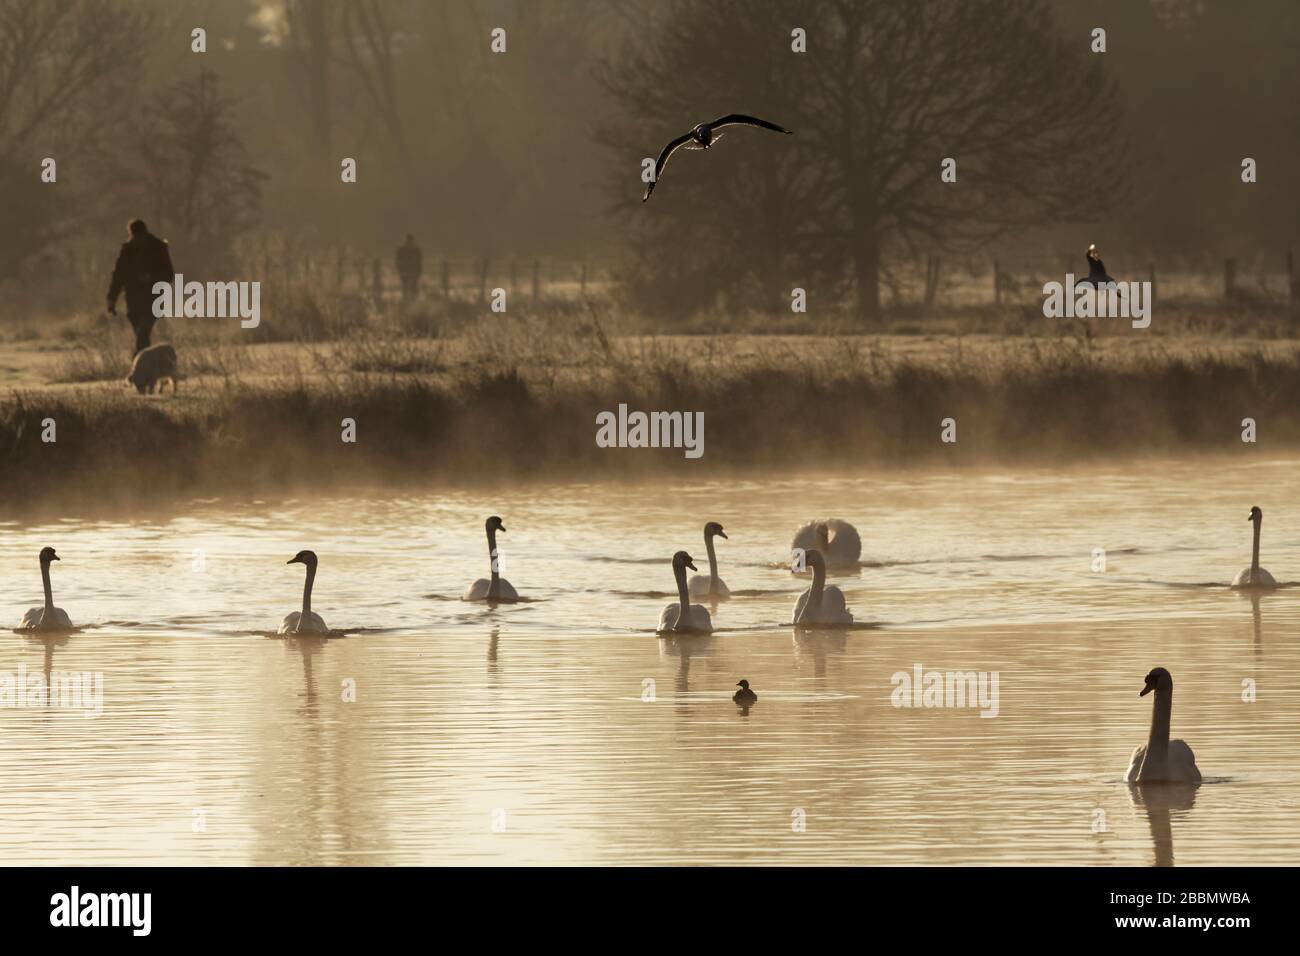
(1256, 514)
(1158, 679)
(743, 683)
(494, 524)
(683, 560)
(304, 557)
(1093, 251)
(48, 555)
(713, 528)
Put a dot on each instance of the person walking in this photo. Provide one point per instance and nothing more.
(143, 260)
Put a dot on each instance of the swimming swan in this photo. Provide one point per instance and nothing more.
(744, 695)
(1162, 760)
(304, 621)
(1254, 576)
(711, 586)
(684, 616)
(49, 617)
(497, 588)
(841, 552)
(820, 604)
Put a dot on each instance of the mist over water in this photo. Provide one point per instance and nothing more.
(536, 709)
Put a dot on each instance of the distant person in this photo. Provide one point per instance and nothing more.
(144, 260)
(410, 265)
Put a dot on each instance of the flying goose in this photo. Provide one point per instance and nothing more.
(702, 137)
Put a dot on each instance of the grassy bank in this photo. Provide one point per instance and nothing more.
(507, 408)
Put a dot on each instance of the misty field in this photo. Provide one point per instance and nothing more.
(451, 401)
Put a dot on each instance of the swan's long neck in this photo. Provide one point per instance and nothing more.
(1158, 741)
(713, 562)
(495, 587)
(306, 592)
(1254, 554)
(45, 580)
(818, 585)
(683, 595)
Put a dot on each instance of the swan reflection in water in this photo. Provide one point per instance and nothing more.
(1161, 801)
(684, 648)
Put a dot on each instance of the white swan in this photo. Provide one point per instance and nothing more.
(1162, 760)
(711, 586)
(684, 616)
(820, 604)
(48, 617)
(841, 552)
(495, 588)
(304, 621)
(1254, 576)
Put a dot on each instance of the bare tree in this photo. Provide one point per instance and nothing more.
(899, 85)
(747, 220)
(370, 53)
(311, 29)
(193, 172)
(886, 90)
(56, 57)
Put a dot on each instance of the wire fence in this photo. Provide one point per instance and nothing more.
(1267, 279)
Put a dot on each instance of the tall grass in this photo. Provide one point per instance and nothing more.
(848, 405)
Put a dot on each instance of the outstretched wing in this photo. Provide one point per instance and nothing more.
(740, 119)
(662, 161)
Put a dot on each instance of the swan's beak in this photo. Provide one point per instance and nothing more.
(293, 561)
(54, 557)
(723, 534)
(501, 527)
(691, 565)
(1146, 690)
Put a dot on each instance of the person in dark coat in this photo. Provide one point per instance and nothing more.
(143, 260)
(410, 265)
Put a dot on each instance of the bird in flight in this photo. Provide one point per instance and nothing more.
(702, 137)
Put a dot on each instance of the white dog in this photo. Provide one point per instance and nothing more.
(152, 367)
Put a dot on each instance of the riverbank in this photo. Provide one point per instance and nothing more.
(518, 406)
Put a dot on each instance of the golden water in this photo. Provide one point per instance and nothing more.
(520, 734)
